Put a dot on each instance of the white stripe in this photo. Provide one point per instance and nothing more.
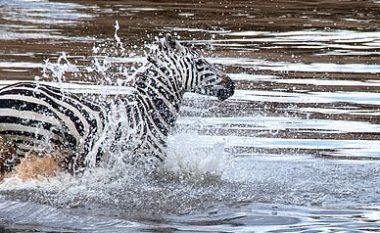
(29, 115)
(30, 129)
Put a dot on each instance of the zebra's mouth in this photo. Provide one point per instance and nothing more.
(227, 92)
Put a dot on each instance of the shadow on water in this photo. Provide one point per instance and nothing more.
(295, 149)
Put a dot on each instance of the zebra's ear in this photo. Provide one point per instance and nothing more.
(170, 41)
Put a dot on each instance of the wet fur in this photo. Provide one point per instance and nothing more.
(32, 166)
(36, 167)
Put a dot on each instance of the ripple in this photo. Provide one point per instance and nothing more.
(42, 12)
(258, 64)
(27, 215)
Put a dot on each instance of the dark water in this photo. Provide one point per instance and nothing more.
(296, 149)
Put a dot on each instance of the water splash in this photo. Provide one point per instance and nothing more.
(117, 38)
(187, 161)
(57, 71)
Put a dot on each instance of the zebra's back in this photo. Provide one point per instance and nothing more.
(40, 117)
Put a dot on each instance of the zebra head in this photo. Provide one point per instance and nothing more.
(194, 72)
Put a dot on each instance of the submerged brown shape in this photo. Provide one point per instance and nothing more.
(36, 167)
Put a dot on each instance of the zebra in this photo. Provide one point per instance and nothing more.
(39, 116)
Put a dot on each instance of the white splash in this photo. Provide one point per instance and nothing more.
(117, 38)
(185, 158)
(57, 71)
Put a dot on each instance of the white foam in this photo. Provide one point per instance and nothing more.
(184, 158)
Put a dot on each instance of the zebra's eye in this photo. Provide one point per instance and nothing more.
(199, 62)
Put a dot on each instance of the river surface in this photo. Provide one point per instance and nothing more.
(296, 149)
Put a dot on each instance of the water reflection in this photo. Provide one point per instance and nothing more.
(41, 12)
(259, 65)
(255, 217)
(39, 19)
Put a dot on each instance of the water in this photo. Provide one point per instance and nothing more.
(296, 149)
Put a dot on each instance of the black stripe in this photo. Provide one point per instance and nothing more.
(31, 135)
(22, 105)
(62, 133)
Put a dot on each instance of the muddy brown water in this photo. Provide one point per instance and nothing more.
(296, 149)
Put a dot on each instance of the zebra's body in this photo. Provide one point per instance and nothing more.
(34, 115)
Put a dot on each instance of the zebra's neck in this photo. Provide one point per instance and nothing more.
(151, 112)
(160, 94)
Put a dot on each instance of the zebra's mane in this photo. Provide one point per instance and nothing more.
(167, 47)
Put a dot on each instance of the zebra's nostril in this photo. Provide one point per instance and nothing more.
(228, 91)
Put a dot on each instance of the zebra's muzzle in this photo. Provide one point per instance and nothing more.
(228, 91)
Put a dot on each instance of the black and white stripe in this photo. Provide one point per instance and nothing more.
(41, 117)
